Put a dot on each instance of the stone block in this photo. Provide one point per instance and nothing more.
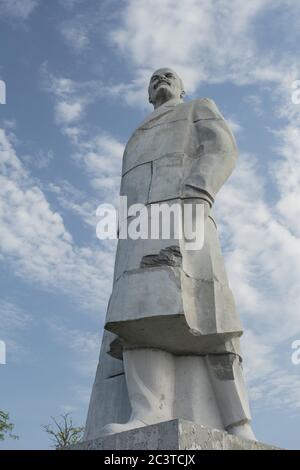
(172, 435)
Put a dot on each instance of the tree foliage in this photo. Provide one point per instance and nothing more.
(62, 432)
(6, 427)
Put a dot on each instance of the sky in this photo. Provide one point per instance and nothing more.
(76, 75)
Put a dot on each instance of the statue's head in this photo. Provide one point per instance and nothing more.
(164, 85)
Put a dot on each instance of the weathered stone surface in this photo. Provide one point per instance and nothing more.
(130, 253)
(194, 379)
(146, 310)
(167, 178)
(149, 144)
(209, 307)
(169, 256)
(172, 435)
(194, 392)
(109, 390)
(143, 293)
(171, 310)
(136, 184)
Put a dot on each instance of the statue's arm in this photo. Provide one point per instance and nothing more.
(215, 154)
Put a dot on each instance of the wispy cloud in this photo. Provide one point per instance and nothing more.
(35, 242)
(40, 159)
(263, 263)
(67, 113)
(83, 346)
(202, 50)
(76, 33)
(12, 317)
(78, 202)
(83, 24)
(255, 102)
(18, 9)
(261, 238)
(101, 157)
(70, 98)
(262, 254)
(99, 153)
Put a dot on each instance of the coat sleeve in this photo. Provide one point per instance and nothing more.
(215, 154)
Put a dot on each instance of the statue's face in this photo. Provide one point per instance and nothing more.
(164, 85)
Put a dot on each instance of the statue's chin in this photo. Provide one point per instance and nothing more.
(163, 94)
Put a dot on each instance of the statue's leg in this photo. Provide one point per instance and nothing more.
(150, 379)
(227, 379)
(109, 400)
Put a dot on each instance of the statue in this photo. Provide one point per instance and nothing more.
(171, 343)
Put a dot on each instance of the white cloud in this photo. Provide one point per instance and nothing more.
(99, 153)
(101, 156)
(260, 358)
(12, 317)
(84, 21)
(263, 255)
(68, 112)
(35, 242)
(202, 40)
(19, 9)
(71, 98)
(60, 87)
(216, 42)
(263, 262)
(276, 390)
(78, 202)
(40, 160)
(283, 391)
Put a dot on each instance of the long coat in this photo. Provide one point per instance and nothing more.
(164, 296)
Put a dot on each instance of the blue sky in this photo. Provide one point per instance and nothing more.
(76, 73)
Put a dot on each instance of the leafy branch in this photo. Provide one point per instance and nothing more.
(62, 432)
(6, 427)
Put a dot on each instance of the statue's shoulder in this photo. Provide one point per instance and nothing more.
(205, 112)
(205, 108)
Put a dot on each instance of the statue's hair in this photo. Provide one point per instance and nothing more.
(180, 81)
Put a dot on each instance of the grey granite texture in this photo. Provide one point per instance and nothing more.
(171, 348)
(172, 435)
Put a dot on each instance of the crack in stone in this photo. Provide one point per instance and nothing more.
(170, 256)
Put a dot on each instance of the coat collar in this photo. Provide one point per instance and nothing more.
(161, 110)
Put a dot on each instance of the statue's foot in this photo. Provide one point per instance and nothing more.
(243, 430)
(115, 428)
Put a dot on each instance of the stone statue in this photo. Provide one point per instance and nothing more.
(171, 343)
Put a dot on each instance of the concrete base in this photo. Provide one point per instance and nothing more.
(172, 435)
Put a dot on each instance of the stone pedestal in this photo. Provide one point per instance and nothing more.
(172, 435)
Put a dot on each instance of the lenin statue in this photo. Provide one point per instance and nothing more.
(171, 345)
